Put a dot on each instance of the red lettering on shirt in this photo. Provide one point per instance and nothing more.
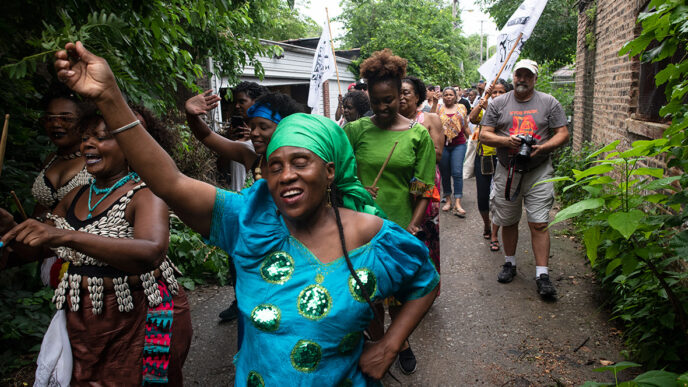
(524, 125)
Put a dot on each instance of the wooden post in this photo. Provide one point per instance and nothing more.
(334, 56)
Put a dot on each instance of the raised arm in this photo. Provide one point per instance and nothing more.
(340, 109)
(90, 76)
(474, 116)
(435, 102)
(224, 147)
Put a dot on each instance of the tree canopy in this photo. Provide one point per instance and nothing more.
(422, 31)
(290, 24)
(153, 47)
(554, 36)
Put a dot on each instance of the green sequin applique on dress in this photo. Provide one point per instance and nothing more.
(349, 342)
(277, 267)
(314, 302)
(266, 317)
(306, 355)
(369, 282)
(254, 380)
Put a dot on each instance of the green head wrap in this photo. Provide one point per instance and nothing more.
(328, 141)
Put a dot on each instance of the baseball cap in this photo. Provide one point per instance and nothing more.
(361, 85)
(527, 64)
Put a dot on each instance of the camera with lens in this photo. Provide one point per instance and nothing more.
(526, 148)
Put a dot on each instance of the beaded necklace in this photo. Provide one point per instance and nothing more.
(107, 191)
(70, 156)
(258, 171)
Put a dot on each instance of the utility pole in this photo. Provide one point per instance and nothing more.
(481, 42)
(455, 9)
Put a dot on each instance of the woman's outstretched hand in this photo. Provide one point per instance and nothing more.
(84, 72)
(202, 103)
(34, 233)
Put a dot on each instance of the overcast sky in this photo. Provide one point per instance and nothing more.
(471, 20)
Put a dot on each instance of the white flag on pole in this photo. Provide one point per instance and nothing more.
(522, 21)
(323, 68)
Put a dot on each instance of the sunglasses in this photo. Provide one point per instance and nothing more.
(64, 119)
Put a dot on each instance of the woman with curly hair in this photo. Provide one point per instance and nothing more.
(413, 93)
(64, 169)
(354, 105)
(401, 190)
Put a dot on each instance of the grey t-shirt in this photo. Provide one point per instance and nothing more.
(536, 117)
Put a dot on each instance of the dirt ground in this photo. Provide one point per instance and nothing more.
(479, 332)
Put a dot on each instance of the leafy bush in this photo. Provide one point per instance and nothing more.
(633, 237)
(191, 156)
(25, 313)
(566, 160)
(635, 216)
(563, 92)
(199, 262)
(650, 378)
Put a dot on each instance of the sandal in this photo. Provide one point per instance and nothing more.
(494, 245)
(487, 234)
(446, 207)
(460, 214)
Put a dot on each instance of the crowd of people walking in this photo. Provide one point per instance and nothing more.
(329, 225)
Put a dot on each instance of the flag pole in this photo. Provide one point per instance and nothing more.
(518, 41)
(334, 56)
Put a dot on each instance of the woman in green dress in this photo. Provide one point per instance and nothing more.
(411, 169)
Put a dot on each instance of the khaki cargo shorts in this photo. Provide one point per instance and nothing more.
(538, 200)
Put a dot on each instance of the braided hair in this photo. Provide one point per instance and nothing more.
(335, 199)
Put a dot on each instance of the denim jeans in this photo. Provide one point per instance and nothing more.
(451, 168)
(483, 184)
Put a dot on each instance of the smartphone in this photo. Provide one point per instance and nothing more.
(437, 88)
(237, 121)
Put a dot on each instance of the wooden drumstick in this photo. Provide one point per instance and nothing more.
(3, 140)
(19, 206)
(384, 165)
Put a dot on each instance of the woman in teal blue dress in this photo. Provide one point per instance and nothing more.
(304, 304)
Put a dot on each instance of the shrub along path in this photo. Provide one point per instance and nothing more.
(478, 332)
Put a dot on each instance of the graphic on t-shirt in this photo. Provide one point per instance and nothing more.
(524, 125)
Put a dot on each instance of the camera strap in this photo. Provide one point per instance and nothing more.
(511, 170)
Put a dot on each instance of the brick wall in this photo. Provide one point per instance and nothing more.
(606, 95)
